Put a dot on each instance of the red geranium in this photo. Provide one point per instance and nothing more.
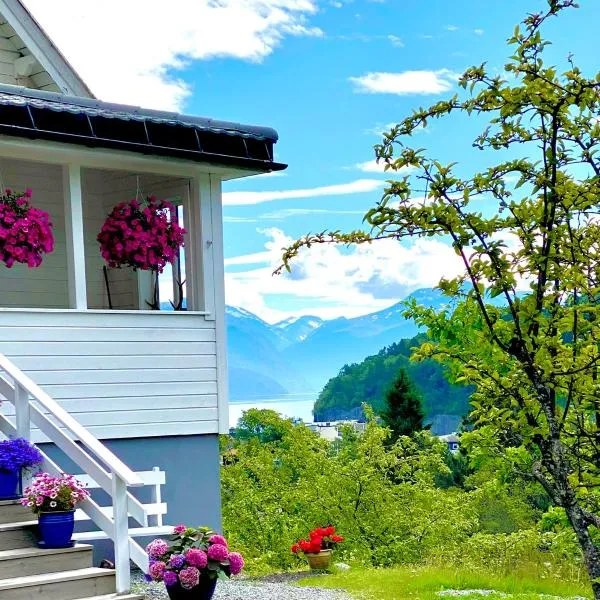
(321, 538)
(141, 236)
(25, 232)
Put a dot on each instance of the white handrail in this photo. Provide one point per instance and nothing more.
(66, 420)
(121, 477)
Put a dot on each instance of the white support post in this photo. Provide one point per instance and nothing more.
(75, 236)
(121, 534)
(22, 412)
(199, 258)
(217, 259)
(23, 423)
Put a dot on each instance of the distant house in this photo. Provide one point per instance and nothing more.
(331, 430)
(77, 338)
(452, 440)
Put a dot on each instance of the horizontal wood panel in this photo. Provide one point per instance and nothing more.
(102, 376)
(142, 430)
(133, 319)
(110, 390)
(79, 363)
(124, 404)
(104, 334)
(105, 348)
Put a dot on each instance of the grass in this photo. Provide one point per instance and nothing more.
(422, 583)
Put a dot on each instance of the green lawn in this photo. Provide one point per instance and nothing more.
(422, 583)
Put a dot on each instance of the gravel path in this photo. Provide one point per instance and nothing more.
(246, 590)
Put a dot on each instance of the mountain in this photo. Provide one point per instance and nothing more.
(297, 329)
(343, 341)
(302, 354)
(257, 367)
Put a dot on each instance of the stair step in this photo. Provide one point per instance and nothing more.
(66, 585)
(12, 511)
(35, 561)
(18, 535)
(114, 597)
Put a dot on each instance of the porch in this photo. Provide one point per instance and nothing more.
(85, 332)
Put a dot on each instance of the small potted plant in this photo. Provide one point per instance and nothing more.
(319, 547)
(15, 455)
(54, 500)
(192, 563)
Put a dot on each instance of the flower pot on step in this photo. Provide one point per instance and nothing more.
(203, 591)
(9, 482)
(320, 561)
(56, 528)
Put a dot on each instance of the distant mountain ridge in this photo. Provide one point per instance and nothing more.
(302, 354)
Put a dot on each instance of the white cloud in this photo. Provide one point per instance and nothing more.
(372, 166)
(358, 186)
(332, 281)
(128, 51)
(478, 31)
(396, 41)
(451, 28)
(288, 213)
(405, 82)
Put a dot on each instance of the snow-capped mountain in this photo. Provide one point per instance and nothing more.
(301, 354)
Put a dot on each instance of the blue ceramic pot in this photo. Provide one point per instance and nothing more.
(9, 481)
(56, 528)
(203, 591)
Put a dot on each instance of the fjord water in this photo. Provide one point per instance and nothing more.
(296, 406)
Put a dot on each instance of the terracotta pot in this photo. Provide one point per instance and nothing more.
(320, 561)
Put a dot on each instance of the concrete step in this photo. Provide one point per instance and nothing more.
(66, 585)
(18, 535)
(11, 511)
(35, 561)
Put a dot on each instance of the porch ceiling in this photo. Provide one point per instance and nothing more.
(43, 115)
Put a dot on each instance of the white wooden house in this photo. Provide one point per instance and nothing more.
(136, 388)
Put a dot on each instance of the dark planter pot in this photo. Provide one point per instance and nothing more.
(56, 528)
(9, 482)
(203, 591)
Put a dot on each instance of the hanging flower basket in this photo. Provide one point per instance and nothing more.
(25, 232)
(141, 235)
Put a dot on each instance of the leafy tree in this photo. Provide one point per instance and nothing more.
(402, 412)
(536, 363)
(263, 425)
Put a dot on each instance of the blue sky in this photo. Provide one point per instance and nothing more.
(329, 76)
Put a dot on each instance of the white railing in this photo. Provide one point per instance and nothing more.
(34, 406)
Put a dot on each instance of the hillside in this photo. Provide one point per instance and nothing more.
(342, 396)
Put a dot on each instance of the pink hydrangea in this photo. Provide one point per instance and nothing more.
(189, 578)
(157, 570)
(218, 539)
(218, 552)
(144, 237)
(196, 558)
(236, 563)
(179, 529)
(157, 548)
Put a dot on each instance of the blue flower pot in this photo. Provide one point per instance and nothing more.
(9, 482)
(203, 591)
(56, 528)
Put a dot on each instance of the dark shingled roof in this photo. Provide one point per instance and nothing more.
(89, 122)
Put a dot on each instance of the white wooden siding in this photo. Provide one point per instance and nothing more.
(120, 374)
